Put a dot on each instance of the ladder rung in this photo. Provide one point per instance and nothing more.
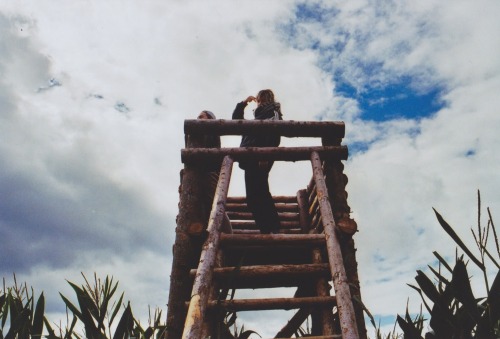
(269, 270)
(242, 207)
(277, 199)
(249, 216)
(282, 231)
(271, 239)
(250, 225)
(267, 276)
(271, 304)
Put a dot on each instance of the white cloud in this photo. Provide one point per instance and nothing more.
(71, 157)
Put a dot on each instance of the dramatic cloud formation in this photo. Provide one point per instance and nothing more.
(93, 96)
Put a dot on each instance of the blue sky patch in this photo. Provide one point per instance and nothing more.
(394, 101)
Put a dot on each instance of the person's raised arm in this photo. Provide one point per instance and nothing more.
(239, 110)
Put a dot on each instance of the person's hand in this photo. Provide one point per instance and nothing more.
(249, 99)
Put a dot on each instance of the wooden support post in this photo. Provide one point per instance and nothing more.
(344, 302)
(336, 182)
(305, 221)
(203, 280)
(323, 290)
(185, 249)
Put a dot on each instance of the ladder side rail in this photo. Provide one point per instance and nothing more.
(199, 155)
(323, 290)
(294, 323)
(341, 285)
(286, 128)
(202, 283)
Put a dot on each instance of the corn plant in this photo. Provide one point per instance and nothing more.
(18, 309)
(454, 310)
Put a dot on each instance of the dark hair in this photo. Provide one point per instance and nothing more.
(265, 96)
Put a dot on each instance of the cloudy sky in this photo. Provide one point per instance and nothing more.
(93, 95)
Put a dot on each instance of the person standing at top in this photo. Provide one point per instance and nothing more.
(259, 199)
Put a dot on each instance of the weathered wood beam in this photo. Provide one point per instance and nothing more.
(256, 231)
(341, 284)
(237, 305)
(197, 155)
(267, 271)
(235, 207)
(284, 216)
(286, 128)
(323, 290)
(203, 280)
(302, 203)
(294, 323)
(272, 239)
(284, 199)
(250, 225)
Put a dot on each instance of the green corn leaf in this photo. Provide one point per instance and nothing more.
(492, 313)
(494, 298)
(463, 291)
(72, 307)
(457, 239)
(87, 308)
(148, 333)
(17, 324)
(439, 276)
(49, 328)
(427, 286)
(5, 309)
(38, 317)
(421, 296)
(117, 308)
(442, 261)
(71, 327)
(125, 325)
(408, 328)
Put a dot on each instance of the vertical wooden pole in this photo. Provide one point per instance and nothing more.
(203, 280)
(336, 182)
(303, 205)
(323, 290)
(344, 302)
(185, 251)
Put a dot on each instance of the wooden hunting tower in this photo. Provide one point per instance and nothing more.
(219, 249)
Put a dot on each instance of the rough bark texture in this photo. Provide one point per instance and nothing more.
(303, 205)
(272, 303)
(344, 302)
(287, 128)
(278, 260)
(336, 181)
(203, 281)
(272, 239)
(294, 323)
(200, 155)
(185, 251)
(323, 290)
(191, 221)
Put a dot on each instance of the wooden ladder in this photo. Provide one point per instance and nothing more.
(306, 254)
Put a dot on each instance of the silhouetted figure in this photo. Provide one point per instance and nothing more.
(259, 198)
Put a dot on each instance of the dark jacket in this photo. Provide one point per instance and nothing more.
(261, 113)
